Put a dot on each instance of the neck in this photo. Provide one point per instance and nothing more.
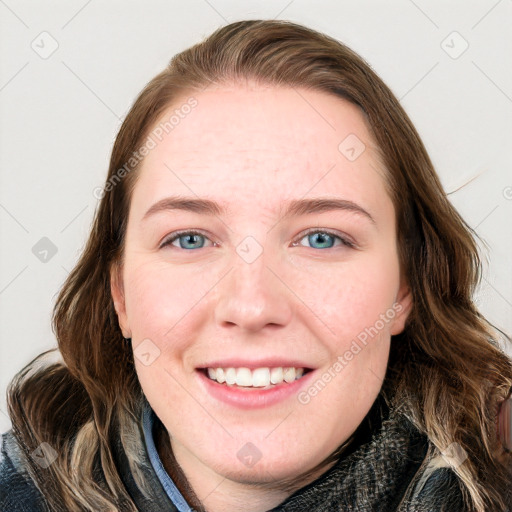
(213, 493)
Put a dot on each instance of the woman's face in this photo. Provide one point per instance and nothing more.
(260, 238)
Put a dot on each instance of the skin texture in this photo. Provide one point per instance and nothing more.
(251, 149)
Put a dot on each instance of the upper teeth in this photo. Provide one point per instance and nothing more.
(260, 377)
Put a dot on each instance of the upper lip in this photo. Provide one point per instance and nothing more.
(271, 362)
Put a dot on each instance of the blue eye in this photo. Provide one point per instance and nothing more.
(186, 240)
(324, 239)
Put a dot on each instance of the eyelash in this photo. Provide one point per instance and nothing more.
(174, 236)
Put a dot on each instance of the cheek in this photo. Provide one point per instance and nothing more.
(353, 298)
(161, 305)
(159, 298)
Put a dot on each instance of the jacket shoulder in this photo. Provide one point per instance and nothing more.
(435, 488)
(18, 492)
(442, 491)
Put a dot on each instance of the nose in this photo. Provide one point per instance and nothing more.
(252, 297)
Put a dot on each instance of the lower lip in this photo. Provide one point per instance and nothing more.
(252, 398)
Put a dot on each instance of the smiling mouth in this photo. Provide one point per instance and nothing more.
(257, 378)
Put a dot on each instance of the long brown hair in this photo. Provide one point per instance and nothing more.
(445, 370)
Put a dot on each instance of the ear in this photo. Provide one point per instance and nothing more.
(402, 307)
(117, 292)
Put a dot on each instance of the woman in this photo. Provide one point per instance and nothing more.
(274, 308)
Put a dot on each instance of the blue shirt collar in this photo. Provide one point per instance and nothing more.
(148, 420)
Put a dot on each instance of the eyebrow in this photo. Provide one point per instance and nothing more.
(290, 208)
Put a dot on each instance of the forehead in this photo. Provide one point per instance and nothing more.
(265, 142)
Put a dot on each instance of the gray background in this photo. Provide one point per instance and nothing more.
(60, 112)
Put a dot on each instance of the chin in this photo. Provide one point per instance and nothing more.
(263, 473)
(270, 465)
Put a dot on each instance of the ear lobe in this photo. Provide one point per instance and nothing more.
(117, 292)
(402, 306)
